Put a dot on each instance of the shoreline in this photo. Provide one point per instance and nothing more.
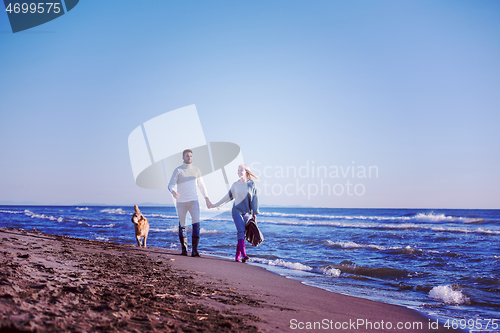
(58, 283)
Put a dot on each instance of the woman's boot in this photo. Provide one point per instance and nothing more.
(241, 243)
(238, 252)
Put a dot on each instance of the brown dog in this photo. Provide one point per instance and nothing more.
(141, 227)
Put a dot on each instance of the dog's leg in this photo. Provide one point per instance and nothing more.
(145, 238)
(138, 241)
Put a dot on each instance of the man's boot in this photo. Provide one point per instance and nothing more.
(194, 250)
(184, 244)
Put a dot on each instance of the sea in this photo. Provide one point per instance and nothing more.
(444, 263)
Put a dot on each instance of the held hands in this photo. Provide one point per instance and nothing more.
(209, 204)
(175, 194)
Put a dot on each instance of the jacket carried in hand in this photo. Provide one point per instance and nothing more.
(252, 232)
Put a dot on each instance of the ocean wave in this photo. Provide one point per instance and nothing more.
(84, 208)
(173, 229)
(387, 226)
(85, 219)
(292, 265)
(111, 225)
(204, 231)
(163, 216)
(10, 211)
(118, 211)
(448, 294)
(218, 219)
(420, 217)
(378, 272)
(282, 263)
(327, 270)
(394, 249)
(333, 217)
(43, 216)
(330, 271)
(432, 217)
(353, 245)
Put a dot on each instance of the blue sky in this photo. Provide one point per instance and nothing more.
(412, 88)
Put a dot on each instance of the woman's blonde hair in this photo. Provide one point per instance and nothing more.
(250, 174)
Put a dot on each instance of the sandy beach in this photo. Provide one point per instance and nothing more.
(53, 283)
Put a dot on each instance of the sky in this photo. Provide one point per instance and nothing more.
(407, 89)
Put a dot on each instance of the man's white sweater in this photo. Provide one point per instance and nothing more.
(187, 177)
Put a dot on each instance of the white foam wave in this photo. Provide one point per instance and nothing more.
(354, 245)
(431, 217)
(114, 211)
(43, 216)
(292, 265)
(337, 217)
(393, 226)
(330, 271)
(111, 225)
(282, 263)
(219, 219)
(84, 208)
(173, 229)
(448, 295)
(105, 239)
(163, 216)
(420, 217)
(204, 231)
(10, 211)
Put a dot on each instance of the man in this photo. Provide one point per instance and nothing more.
(187, 177)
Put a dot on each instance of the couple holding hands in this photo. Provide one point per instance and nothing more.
(187, 177)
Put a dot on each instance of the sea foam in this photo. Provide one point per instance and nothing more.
(204, 231)
(43, 216)
(10, 211)
(447, 294)
(327, 270)
(354, 245)
(330, 271)
(282, 263)
(114, 211)
(163, 216)
(173, 229)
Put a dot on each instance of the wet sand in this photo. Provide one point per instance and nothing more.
(53, 283)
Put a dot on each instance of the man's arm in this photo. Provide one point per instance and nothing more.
(203, 190)
(172, 183)
(201, 185)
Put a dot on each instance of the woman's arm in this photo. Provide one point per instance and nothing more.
(228, 197)
(255, 201)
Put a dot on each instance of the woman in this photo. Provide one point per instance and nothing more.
(245, 205)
